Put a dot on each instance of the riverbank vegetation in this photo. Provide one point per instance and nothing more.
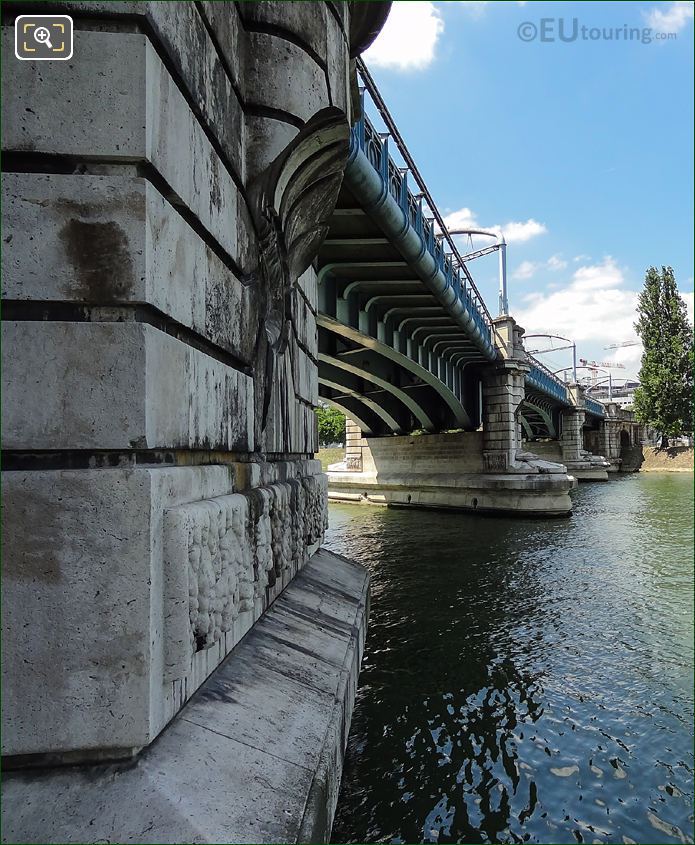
(331, 425)
(663, 401)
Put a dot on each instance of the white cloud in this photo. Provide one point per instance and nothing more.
(525, 270)
(517, 232)
(672, 19)
(475, 8)
(528, 269)
(592, 307)
(514, 231)
(556, 263)
(629, 356)
(464, 218)
(409, 37)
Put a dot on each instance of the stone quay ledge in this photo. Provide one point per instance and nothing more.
(255, 756)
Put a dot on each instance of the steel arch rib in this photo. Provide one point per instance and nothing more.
(415, 409)
(382, 413)
(526, 426)
(365, 428)
(459, 412)
(543, 414)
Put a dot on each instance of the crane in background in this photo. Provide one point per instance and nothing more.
(596, 367)
(599, 364)
(623, 344)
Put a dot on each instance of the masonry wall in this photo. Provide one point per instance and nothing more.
(159, 368)
(427, 454)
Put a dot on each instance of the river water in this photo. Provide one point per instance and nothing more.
(525, 680)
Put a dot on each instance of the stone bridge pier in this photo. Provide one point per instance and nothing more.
(503, 392)
(619, 437)
(165, 194)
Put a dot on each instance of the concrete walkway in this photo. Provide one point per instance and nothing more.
(255, 756)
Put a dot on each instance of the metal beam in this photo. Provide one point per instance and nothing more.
(458, 412)
(379, 410)
(545, 416)
(416, 409)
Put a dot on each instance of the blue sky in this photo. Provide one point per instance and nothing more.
(582, 151)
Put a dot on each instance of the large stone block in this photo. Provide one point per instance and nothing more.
(304, 322)
(144, 389)
(104, 240)
(124, 589)
(181, 33)
(305, 22)
(283, 76)
(78, 580)
(129, 110)
(308, 284)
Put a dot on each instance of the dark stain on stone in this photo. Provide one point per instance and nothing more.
(101, 258)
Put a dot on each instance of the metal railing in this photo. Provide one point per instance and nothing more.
(594, 407)
(375, 146)
(544, 380)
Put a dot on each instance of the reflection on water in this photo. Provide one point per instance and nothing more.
(525, 681)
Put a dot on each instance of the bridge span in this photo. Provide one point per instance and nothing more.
(407, 343)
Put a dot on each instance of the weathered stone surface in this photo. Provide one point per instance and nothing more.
(308, 284)
(306, 22)
(267, 82)
(129, 109)
(259, 748)
(182, 35)
(104, 240)
(125, 588)
(223, 20)
(144, 390)
(181, 31)
(338, 70)
(97, 114)
(304, 323)
(305, 373)
(266, 138)
(78, 577)
(78, 646)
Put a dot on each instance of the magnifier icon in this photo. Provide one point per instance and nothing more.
(43, 36)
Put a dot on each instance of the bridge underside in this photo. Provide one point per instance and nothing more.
(390, 356)
(539, 416)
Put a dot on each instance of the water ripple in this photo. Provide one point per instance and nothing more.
(525, 681)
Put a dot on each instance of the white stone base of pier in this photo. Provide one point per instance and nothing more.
(255, 756)
(447, 471)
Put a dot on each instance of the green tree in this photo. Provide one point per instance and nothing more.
(664, 398)
(331, 425)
